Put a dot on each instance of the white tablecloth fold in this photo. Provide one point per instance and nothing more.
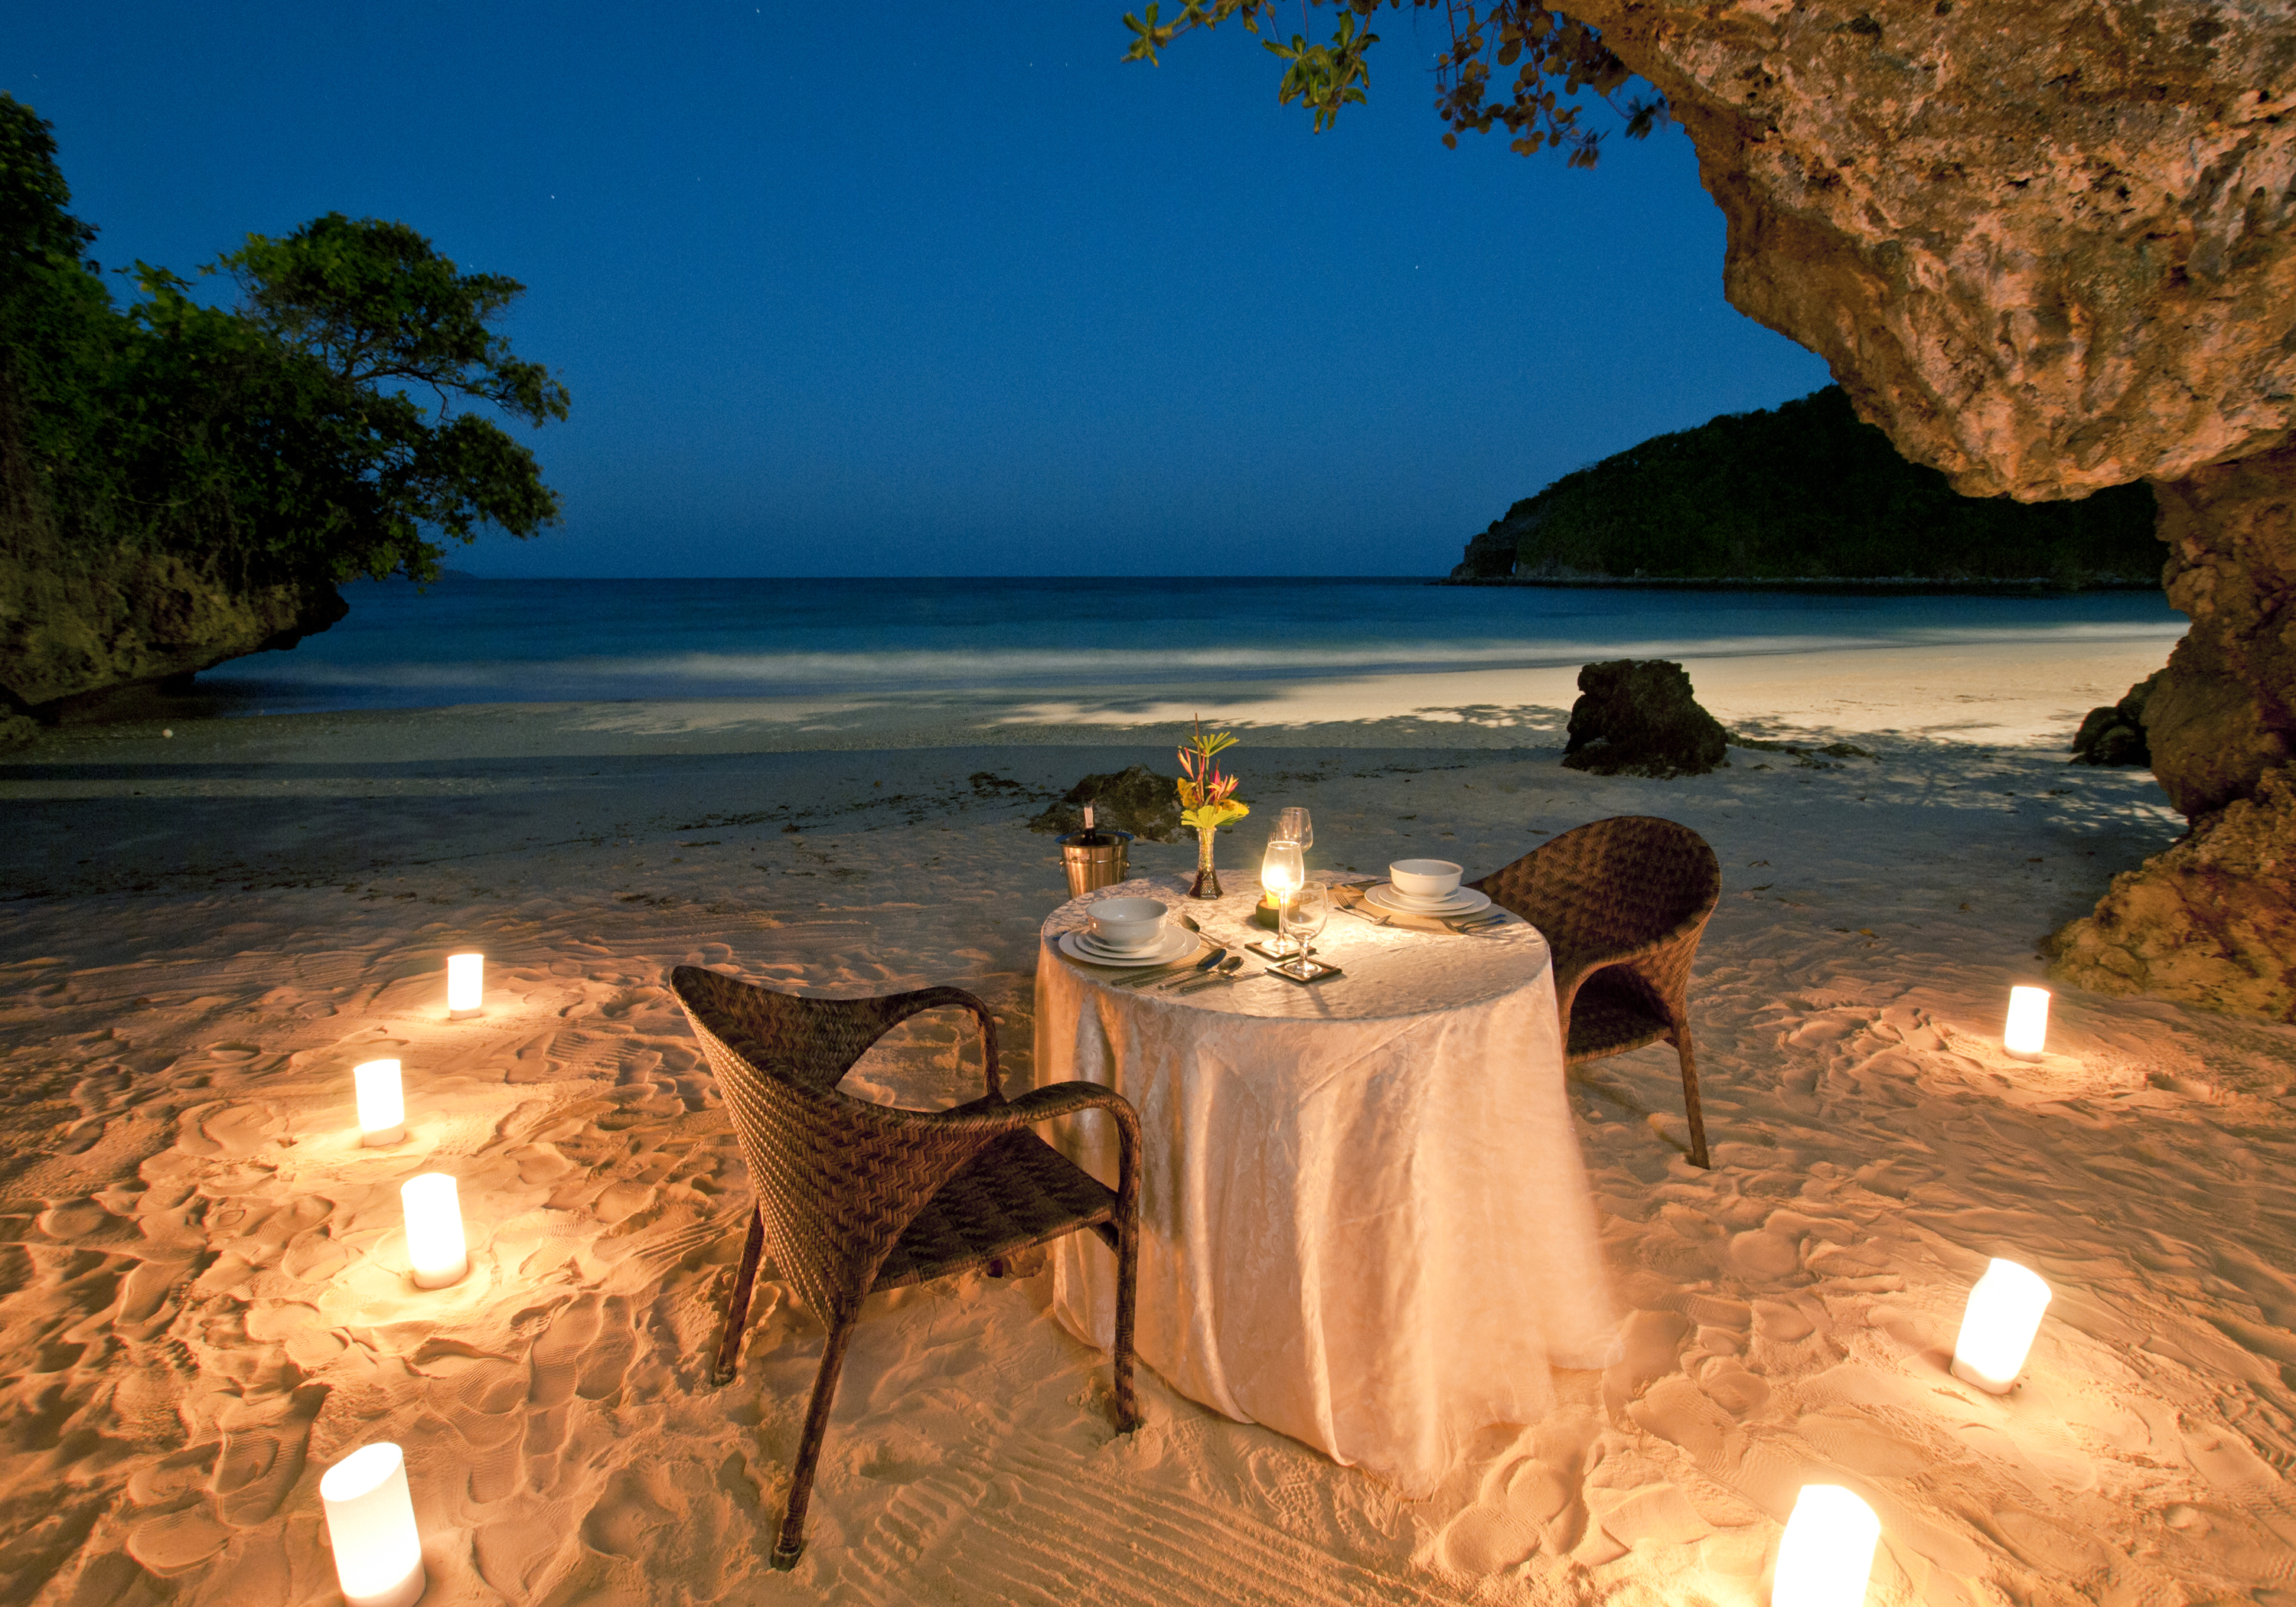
(1365, 1223)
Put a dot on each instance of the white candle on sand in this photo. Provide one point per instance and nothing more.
(434, 1230)
(381, 1107)
(371, 1526)
(2028, 1023)
(1997, 1326)
(467, 985)
(1828, 1551)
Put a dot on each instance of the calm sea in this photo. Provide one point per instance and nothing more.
(509, 641)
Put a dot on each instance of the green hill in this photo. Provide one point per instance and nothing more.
(1804, 491)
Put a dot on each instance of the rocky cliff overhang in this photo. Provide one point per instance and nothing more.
(78, 627)
(2044, 243)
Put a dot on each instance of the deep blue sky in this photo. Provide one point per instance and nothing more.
(946, 290)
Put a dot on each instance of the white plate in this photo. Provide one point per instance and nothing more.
(1178, 943)
(1464, 901)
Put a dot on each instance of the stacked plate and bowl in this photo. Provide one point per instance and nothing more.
(1426, 887)
(1128, 931)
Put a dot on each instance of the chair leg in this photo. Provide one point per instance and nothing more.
(790, 1544)
(1690, 1096)
(1128, 1293)
(737, 1309)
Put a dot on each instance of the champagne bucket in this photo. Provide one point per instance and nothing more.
(1099, 857)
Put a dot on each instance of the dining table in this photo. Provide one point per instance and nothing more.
(1365, 1219)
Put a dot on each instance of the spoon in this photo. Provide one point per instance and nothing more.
(1224, 972)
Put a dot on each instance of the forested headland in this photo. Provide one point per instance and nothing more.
(182, 482)
(1804, 491)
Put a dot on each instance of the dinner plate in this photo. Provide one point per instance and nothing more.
(1465, 901)
(1178, 943)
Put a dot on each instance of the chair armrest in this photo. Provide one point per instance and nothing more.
(1067, 1099)
(900, 1006)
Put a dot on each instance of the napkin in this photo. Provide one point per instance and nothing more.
(1350, 897)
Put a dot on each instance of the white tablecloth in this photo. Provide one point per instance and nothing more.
(1365, 1219)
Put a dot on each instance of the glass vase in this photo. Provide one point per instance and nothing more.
(1207, 879)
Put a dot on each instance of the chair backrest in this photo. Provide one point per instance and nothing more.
(1613, 885)
(837, 1178)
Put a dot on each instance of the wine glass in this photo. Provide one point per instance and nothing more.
(1281, 871)
(1294, 826)
(1308, 909)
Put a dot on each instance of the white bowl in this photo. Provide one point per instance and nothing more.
(1128, 925)
(1424, 878)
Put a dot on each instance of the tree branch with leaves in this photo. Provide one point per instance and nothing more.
(1554, 58)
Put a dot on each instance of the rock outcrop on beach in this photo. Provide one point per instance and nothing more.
(1637, 717)
(2193, 924)
(1134, 799)
(78, 632)
(2046, 246)
(2114, 733)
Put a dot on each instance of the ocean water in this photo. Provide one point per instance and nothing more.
(466, 641)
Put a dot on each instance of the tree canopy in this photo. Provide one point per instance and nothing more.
(1553, 58)
(320, 429)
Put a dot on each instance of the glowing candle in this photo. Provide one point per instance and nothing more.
(1997, 1326)
(370, 1525)
(467, 985)
(1828, 1551)
(2028, 1023)
(382, 1109)
(434, 1230)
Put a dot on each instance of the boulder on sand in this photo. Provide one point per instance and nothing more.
(1135, 799)
(2114, 735)
(1637, 717)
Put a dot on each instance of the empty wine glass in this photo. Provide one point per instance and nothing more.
(1307, 909)
(1294, 826)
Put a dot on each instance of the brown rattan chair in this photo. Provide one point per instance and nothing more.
(854, 1197)
(1622, 903)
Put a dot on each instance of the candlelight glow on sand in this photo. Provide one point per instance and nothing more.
(205, 1305)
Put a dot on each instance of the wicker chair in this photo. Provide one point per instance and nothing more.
(1622, 903)
(854, 1197)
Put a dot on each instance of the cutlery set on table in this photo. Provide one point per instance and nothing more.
(1161, 954)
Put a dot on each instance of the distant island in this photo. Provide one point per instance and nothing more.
(1803, 493)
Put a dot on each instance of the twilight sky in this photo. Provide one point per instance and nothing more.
(852, 291)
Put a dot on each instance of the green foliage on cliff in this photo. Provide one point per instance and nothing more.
(314, 432)
(1804, 490)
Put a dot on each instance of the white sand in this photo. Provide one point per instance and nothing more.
(202, 1298)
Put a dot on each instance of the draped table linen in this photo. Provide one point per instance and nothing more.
(1365, 1221)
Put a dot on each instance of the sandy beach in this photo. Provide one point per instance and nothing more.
(204, 1291)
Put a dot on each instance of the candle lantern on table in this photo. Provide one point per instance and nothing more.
(1281, 872)
(1293, 826)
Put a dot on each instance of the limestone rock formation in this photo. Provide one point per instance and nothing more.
(2225, 710)
(2207, 923)
(1134, 799)
(77, 627)
(2045, 244)
(1637, 717)
(2114, 733)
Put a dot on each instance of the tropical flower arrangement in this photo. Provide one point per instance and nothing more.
(1207, 800)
